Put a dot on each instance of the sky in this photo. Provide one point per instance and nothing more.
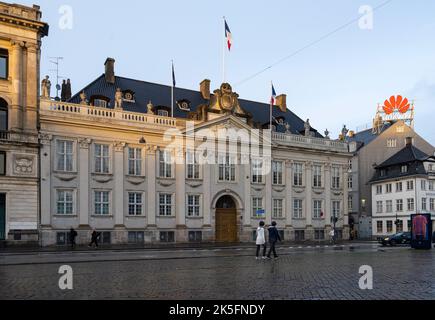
(338, 80)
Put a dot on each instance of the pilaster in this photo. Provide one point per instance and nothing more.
(84, 172)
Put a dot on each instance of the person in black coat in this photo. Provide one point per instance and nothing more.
(94, 238)
(73, 236)
(274, 237)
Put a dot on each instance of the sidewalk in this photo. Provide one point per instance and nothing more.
(159, 246)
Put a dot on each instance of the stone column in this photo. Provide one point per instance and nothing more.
(328, 186)
(206, 167)
(30, 118)
(246, 176)
(268, 205)
(16, 69)
(346, 228)
(118, 175)
(151, 186)
(46, 188)
(180, 195)
(309, 200)
(84, 192)
(288, 181)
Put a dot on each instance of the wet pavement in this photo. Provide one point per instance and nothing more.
(230, 273)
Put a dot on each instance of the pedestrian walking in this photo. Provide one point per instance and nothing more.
(94, 238)
(332, 236)
(261, 240)
(72, 237)
(274, 237)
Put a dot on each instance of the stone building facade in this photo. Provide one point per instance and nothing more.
(115, 159)
(21, 31)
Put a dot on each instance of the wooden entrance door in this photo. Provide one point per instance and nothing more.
(226, 225)
(2, 216)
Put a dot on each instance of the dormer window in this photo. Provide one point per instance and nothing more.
(404, 169)
(162, 113)
(184, 105)
(128, 96)
(100, 101)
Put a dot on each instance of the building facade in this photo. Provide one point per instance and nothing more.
(116, 159)
(402, 186)
(371, 148)
(21, 31)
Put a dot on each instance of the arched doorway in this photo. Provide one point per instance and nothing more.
(226, 220)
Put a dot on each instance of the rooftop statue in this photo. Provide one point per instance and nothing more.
(46, 87)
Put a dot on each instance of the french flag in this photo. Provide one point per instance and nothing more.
(229, 36)
(273, 98)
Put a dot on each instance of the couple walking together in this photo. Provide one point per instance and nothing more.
(274, 237)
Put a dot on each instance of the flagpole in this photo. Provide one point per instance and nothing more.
(172, 91)
(223, 57)
(271, 107)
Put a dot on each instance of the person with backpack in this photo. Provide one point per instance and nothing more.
(274, 237)
(73, 236)
(94, 238)
(261, 240)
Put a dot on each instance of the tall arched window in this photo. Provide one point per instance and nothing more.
(3, 116)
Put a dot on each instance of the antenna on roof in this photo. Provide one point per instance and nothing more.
(56, 62)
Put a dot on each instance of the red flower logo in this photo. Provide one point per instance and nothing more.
(396, 103)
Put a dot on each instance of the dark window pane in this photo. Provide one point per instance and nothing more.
(2, 163)
(3, 67)
(3, 120)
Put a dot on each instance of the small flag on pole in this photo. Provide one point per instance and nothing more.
(229, 36)
(273, 98)
(174, 82)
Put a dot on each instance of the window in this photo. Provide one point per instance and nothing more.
(336, 209)
(167, 236)
(64, 151)
(389, 187)
(400, 129)
(193, 205)
(297, 174)
(195, 236)
(399, 226)
(101, 203)
(297, 209)
(410, 204)
(380, 227)
(399, 187)
(135, 204)
(432, 204)
(410, 185)
(278, 206)
(350, 182)
(165, 164)
(319, 234)
(423, 185)
(350, 164)
(100, 103)
(106, 237)
(399, 205)
(162, 113)
(383, 172)
(317, 209)
(3, 116)
(378, 189)
(257, 171)
(65, 204)
(2, 163)
(379, 207)
(165, 204)
(227, 168)
(4, 64)
(389, 226)
(136, 237)
(350, 203)
(389, 206)
(409, 225)
(423, 204)
(299, 235)
(431, 185)
(192, 165)
(317, 176)
(277, 172)
(62, 238)
(392, 143)
(134, 161)
(257, 205)
(404, 169)
(335, 177)
(101, 158)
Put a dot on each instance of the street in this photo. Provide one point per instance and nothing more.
(305, 272)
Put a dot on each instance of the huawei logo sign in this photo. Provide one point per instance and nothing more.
(396, 103)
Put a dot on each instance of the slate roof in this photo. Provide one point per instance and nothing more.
(406, 155)
(160, 95)
(367, 136)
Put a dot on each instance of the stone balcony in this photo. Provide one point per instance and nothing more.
(90, 113)
(322, 144)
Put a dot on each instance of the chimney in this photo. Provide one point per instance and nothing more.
(281, 102)
(110, 70)
(409, 141)
(204, 87)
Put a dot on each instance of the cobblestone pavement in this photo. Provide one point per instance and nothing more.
(308, 273)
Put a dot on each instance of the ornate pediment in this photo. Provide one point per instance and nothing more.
(224, 100)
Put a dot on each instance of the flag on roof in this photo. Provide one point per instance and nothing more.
(229, 36)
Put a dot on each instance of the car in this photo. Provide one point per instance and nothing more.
(398, 238)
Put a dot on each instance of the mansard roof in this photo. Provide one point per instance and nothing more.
(407, 155)
(160, 96)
